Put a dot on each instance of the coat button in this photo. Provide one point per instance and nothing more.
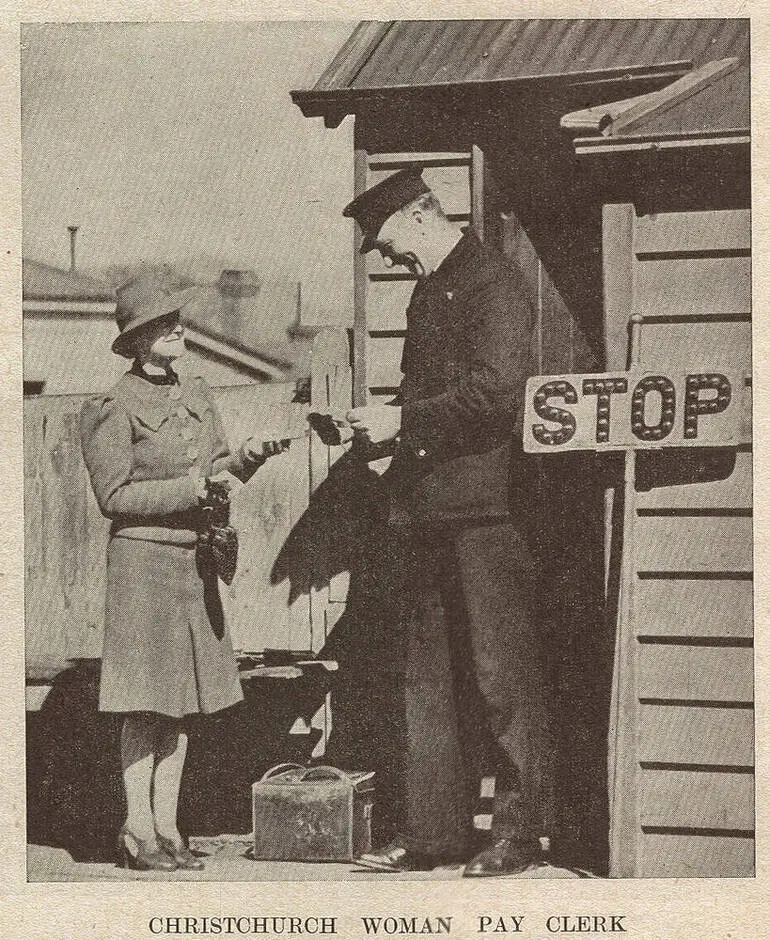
(422, 452)
(192, 452)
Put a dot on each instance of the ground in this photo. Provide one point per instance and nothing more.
(227, 859)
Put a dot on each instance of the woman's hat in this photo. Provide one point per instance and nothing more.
(141, 300)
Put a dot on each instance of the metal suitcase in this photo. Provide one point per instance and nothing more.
(312, 814)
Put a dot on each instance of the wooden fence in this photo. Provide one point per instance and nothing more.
(276, 599)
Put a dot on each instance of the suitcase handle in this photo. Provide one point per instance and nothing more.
(279, 768)
(328, 771)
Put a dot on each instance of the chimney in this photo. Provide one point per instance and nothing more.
(237, 283)
(235, 286)
(73, 230)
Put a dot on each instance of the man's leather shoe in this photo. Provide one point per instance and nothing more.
(505, 857)
(395, 858)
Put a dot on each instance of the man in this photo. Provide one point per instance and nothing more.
(461, 578)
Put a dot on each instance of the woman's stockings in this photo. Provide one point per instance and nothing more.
(170, 753)
(152, 749)
(137, 755)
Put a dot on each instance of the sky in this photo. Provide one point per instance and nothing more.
(173, 142)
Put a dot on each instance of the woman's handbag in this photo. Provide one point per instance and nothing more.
(312, 814)
(219, 540)
(223, 545)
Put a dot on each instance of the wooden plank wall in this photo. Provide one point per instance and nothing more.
(382, 294)
(558, 343)
(273, 601)
(684, 768)
(64, 536)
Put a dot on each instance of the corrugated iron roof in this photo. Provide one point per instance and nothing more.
(422, 54)
(45, 282)
(427, 53)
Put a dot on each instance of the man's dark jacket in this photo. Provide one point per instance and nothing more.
(466, 359)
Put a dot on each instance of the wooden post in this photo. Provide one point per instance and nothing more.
(477, 190)
(618, 284)
(617, 259)
(360, 276)
(329, 388)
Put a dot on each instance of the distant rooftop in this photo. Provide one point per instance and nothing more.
(261, 322)
(44, 282)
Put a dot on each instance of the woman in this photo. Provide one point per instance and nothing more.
(150, 444)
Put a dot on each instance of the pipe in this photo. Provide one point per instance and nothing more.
(73, 230)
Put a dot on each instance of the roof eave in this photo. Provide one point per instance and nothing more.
(334, 105)
(719, 137)
(36, 300)
(622, 117)
(236, 353)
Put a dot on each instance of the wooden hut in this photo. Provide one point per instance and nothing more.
(674, 171)
(609, 159)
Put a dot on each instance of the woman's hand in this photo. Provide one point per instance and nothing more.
(224, 476)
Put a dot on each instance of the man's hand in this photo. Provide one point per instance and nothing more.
(377, 423)
(257, 451)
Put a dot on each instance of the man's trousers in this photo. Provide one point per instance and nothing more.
(472, 655)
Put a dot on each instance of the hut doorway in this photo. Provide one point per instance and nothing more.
(550, 248)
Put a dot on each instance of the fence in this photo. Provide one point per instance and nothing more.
(284, 594)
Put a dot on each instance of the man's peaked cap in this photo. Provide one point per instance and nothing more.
(377, 204)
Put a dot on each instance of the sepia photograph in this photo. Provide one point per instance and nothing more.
(387, 453)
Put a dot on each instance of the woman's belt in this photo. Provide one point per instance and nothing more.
(173, 530)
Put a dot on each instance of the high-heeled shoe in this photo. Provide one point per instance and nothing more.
(145, 858)
(180, 853)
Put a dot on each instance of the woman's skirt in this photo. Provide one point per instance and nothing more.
(166, 646)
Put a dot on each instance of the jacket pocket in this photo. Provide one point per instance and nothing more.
(149, 415)
(197, 407)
